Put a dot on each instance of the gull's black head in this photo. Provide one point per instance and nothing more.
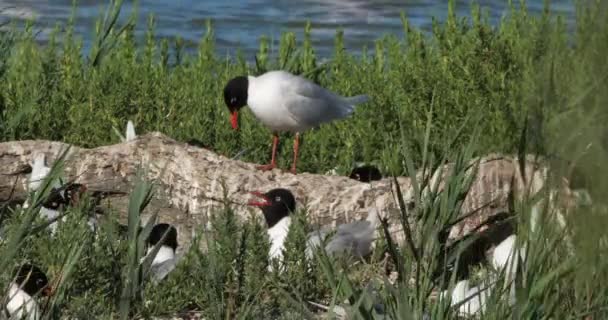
(74, 192)
(235, 97)
(67, 195)
(276, 204)
(32, 280)
(365, 173)
(157, 233)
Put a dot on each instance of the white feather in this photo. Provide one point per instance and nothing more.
(39, 172)
(506, 256)
(164, 253)
(130, 134)
(163, 263)
(277, 235)
(21, 304)
(475, 298)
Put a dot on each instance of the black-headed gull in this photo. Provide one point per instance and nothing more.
(165, 259)
(276, 205)
(355, 238)
(60, 198)
(505, 257)
(286, 102)
(60, 195)
(28, 281)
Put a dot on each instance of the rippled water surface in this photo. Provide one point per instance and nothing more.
(240, 23)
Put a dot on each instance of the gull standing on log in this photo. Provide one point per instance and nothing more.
(286, 102)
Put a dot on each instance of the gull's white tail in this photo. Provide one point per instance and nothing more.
(130, 134)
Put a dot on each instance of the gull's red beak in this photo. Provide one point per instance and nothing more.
(47, 291)
(78, 195)
(265, 202)
(234, 120)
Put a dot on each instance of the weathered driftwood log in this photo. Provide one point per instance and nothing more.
(192, 181)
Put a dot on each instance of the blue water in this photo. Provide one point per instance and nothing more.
(240, 23)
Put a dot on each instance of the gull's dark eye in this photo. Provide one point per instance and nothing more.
(277, 199)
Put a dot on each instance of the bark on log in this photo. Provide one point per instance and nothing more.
(191, 180)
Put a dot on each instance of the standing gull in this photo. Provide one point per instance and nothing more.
(286, 102)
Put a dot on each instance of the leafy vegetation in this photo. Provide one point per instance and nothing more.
(524, 86)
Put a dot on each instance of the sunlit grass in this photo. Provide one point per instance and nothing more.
(503, 73)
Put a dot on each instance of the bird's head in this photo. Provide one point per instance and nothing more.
(276, 204)
(163, 230)
(74, 192)
(235, 97)
(32, 280)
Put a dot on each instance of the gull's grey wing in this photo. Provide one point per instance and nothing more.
(311, 104)
(356, 228)
(355, 238)
(316, 239)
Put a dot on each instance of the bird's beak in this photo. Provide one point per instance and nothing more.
(234, 120)
(78, 195)
(265, 202)
(47, 291)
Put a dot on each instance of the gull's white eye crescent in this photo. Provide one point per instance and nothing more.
(233, 100)
(277, 199)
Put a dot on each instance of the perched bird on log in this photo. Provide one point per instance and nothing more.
(284, 102)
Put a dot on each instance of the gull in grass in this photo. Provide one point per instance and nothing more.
(508, 256)
(29, 280)
(355, 238)
(60, 196)
(163, 235)
(473, 300)
(50, 209)
(284, 102)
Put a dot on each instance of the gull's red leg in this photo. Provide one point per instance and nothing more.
(296, 146)
(273, 161)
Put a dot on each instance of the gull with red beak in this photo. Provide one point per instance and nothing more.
(355, 238)
(284, 102)
(29, 280)
(276, 205)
